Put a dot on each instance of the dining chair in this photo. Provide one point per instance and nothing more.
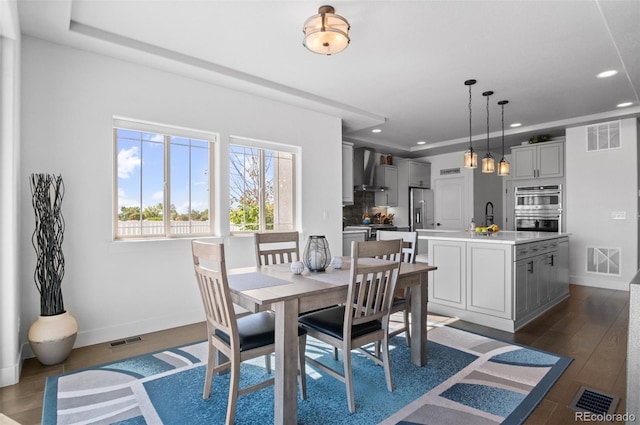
(276, 248)
(239, 339)
(364, 317)
(401, 300)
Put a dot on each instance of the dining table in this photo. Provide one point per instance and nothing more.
(277, 288)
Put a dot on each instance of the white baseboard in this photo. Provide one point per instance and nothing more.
(598, 283)
(10, 375)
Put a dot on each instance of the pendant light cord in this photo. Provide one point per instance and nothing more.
(470, 147)
(502, 130)
(488, 123)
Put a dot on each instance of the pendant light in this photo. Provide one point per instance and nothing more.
(326, 33)
(488, 164)
(470, 156)
(503, 165)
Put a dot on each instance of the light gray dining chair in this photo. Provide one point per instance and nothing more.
(401, 299)
(239, 339)
(364, 318)
(277, 247)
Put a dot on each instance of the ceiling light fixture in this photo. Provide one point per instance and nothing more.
(488, 164)
(609, 73)
(516, 124)
(421, 142)
(624, 104)
(376, 130)
(503, 165)
(470, 156)
(326, 33)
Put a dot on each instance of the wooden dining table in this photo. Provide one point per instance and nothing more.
(275, 287)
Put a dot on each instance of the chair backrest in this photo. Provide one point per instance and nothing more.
(276, 248)
(372, 280)
(409, 242)
(214, 288)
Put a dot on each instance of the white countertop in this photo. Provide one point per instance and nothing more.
(502, 237)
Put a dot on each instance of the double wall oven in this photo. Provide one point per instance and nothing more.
(538, 208)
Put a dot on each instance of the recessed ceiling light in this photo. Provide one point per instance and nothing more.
(609, 73)
(422, 142)
(516, 124)
(376, 130)
(624, 104)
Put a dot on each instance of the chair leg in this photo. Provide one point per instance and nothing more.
(208, 378)
(348, 379)
(386, 361)
(302, 374)
(234, 384)
(267, 362)
(407, 334)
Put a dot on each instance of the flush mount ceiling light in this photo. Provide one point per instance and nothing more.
(624, 104)
(470, 156)
(421, 142)
(488, 164)
(376, 130)
(503, 165)
(326, 33)
(516, 124)
(609, 73)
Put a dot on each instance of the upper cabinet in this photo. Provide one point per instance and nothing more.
(538, 160)
(347, 173)
(419, 174)
(387, 176)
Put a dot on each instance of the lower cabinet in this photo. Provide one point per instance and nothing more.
(541, 277)
(499, 285)
(351, 236)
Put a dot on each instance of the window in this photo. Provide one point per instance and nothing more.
(261, 189)
(163, 181)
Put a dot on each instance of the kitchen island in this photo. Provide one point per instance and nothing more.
(502, 280)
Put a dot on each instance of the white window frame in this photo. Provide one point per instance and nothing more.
(167, 131)
(273, 146)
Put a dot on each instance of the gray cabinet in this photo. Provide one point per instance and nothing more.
(347, 173)
(387, 176)
(538, 160)
(351, 236)
(538, 272)
(419, 174)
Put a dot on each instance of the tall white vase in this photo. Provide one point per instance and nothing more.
(52, 337)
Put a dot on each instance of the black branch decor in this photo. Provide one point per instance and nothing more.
(47, 191)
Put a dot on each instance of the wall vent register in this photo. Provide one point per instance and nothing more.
(603, 136)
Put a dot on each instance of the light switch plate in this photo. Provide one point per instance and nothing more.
(618, 215)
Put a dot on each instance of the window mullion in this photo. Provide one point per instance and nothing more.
(166, 207)
(261, 209)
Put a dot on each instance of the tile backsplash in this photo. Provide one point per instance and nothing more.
(363, 203)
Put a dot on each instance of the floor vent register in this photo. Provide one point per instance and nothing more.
(588, 400)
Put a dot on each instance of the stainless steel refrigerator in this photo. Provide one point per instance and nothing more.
(421, 208)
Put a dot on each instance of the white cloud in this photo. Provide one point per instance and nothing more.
(128, 161)
(158, 196)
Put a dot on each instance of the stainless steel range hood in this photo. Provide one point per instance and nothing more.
(364, 170)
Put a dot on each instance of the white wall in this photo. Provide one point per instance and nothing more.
(597, 184)
(9, 193)
(118, 289)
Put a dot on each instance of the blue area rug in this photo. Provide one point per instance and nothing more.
(469, 379)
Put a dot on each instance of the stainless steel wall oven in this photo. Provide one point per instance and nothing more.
(538, 208)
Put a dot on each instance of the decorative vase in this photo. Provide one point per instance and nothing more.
(297, 267)
(316, 254)
(52, 337)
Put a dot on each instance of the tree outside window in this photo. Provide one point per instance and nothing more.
(260, 189)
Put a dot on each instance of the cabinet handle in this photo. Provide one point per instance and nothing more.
(551, 260)
(530, 266)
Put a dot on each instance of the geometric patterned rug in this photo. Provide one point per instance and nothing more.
(469, 379)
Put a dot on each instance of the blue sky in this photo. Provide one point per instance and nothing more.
(141, 170)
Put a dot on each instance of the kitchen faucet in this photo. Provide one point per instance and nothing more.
(488, 218)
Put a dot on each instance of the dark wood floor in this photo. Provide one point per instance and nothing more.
(591, 327)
